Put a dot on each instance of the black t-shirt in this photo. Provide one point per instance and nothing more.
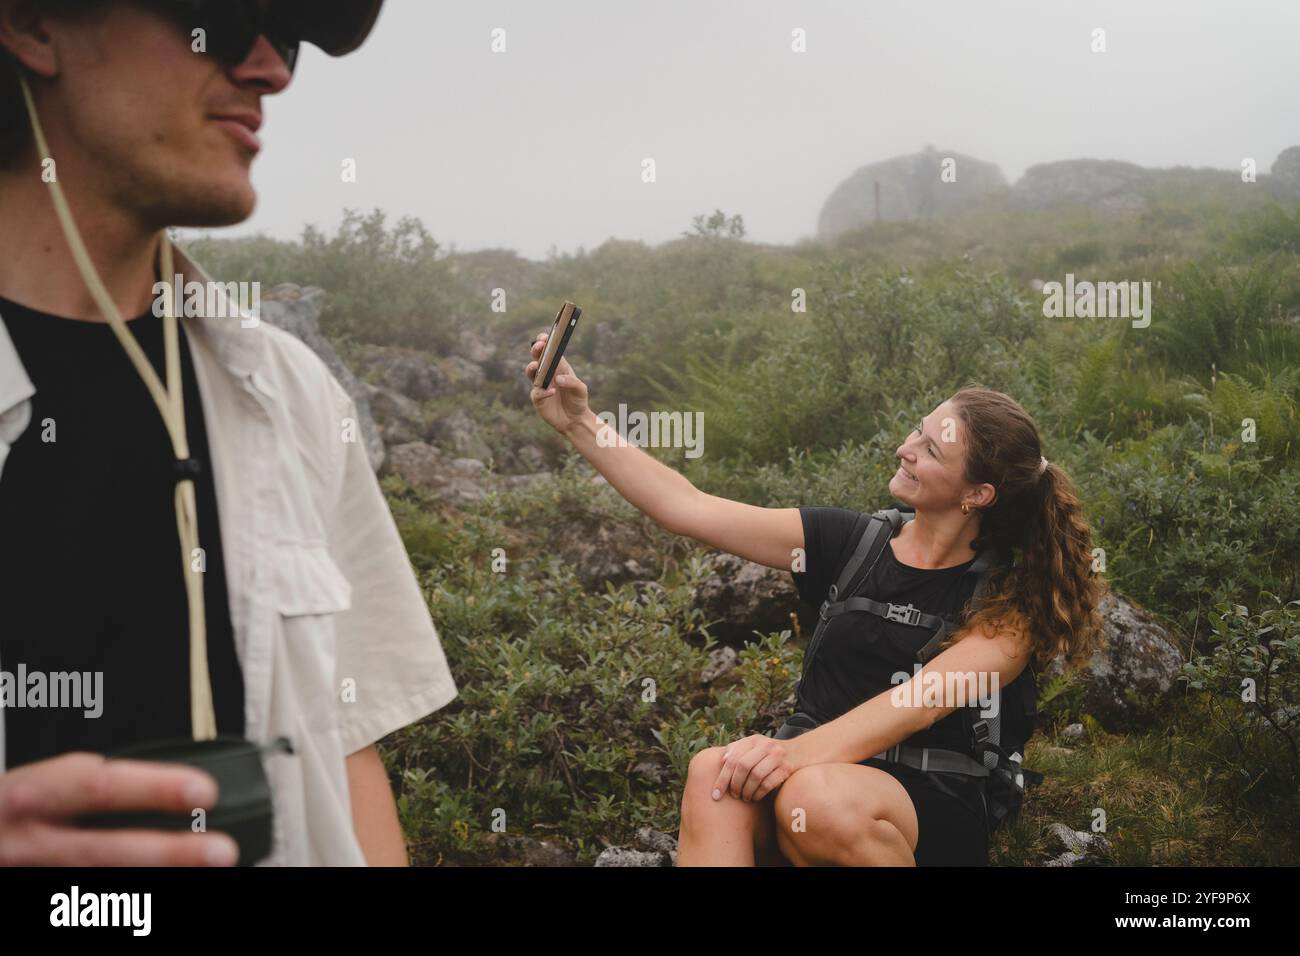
(858, 652)
(90, 561)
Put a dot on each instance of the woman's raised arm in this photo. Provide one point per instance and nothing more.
(767, 536)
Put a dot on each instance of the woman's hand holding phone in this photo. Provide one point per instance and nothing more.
(564, 404)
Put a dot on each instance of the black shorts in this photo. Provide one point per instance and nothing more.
(952, 828)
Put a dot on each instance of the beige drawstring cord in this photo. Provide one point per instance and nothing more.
(171, 405)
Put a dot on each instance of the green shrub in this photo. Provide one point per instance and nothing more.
(1253, 679)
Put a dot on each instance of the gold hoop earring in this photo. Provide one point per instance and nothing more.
(965, 509)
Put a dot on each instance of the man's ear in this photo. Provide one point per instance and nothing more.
(24, 34)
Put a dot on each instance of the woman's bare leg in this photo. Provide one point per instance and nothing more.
(726, 832)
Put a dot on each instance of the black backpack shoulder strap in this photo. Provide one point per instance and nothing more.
(881, 526)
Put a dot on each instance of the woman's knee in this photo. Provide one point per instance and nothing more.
(841, 842)
(701, 773)
(697, 798)
(818, 824)
(703, 769)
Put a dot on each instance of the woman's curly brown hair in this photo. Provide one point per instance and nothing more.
(1037, 519)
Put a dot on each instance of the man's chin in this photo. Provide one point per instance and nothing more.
(217, 209)
(211, 204)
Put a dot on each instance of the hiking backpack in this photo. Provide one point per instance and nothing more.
(996, 747)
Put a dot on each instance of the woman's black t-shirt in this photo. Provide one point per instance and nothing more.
(859, 653)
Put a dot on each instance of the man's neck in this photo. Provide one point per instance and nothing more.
(36, 265)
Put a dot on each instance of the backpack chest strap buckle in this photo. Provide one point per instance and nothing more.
(904, 614)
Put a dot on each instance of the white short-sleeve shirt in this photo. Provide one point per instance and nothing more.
(333, 634)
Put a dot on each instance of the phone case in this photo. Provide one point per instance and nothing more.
(551, 355)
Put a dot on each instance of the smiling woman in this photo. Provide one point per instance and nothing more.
(858, 775)
(855, 778)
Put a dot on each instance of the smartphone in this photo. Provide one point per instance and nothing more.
(561, 331)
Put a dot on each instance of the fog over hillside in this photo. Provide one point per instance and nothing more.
(543, 145)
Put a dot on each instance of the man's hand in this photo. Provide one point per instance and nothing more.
(754, 766)
(39, 801)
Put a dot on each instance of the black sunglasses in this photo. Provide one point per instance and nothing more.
(231, 27)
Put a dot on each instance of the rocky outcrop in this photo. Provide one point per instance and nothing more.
(1132, 672)
(458, 481)
(297, 311)
(403, 371)
(600, 550)
(1285, 173)
(742, 597)
(910, 187)
(722, 661)
(397, 417)
(1104, 185)
(460, 434)
(651, 848)
(1078, 847)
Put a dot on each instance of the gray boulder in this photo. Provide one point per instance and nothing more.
(742, 597)
(403, 371)
(1078, 846)
(297, 311)
(1136, 668)
(1103, 185)
(600, 550)
(459, 433)
(461, 371)
(722, 661)
(475, 348)
(651, 848)
(910, 188)
(397, 417)
(624, 856)
(457, 481)
(1285, 173)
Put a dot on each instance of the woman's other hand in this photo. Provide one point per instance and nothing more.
(753, 767)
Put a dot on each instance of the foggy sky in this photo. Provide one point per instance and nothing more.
(541, 146)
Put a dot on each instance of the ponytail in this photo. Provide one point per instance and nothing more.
(1036, 518)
